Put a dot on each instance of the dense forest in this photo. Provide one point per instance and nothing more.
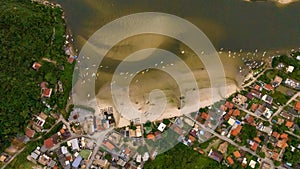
(28, 33)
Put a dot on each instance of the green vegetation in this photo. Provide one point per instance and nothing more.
(288, 61)
(280, 97)
(28, 33)
(182, 156)
(248, 132)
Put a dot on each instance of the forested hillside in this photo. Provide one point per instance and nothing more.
(28, 33)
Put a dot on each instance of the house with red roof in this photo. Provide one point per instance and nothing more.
(268, 87)
(230, 160)
(229, 105)
(276, 135)
(254, 146)
(297, 106)
(237, 154)
(236, 113)
(49, 143)
(237, 130)
(29, 132)
(254, 107)
(36, 66)
(289, 124)
(46, 92)
(204, 116)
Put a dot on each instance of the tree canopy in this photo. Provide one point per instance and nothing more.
(28, 33)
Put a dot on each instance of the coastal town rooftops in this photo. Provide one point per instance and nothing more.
(29, 132)
(46, 92)
(161, 127)
(237, 130)
(237, 154)
(254, 146)
(77, 161)
(48, 143)
(268, 87)
(36, 66)
(289, 124)
(254, 107)
(108, 145)
(290, 69)
(229, 105)
(297, 106)
(230, 160)
(215, 155)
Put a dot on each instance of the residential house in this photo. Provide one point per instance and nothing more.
(29, 132)
(223, 147)
(253, 145)
(256, 93)
(267, 99)
(230, 160)
(46, 92)
(252, 164)
(229, 104)
(77, 162)
(74, 143)
(239, 99)
(236, 113)
(215, 155)
(161, 127)
(236, 130)
(36, 66)
(297, 106)
(48, 143)
(254, 107)
(290, 69)
(277, 81)
(287, 116)
(237, 154)
(268, 87)
(289, 124)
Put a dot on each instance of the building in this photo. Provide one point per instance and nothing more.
(277, 81)
(289, 124)
(48, 143)
(223, 147)
(254, 107)
(29, 132)
(290, 69)
(297, 106)
(268, 87)
(252, 164)
(267, 99)
(77, 162)
(161, 127)
(237, 154)
(215, 155)
(230, 160)
(46, 92)
(253, 145)
(236, 130)
(108, 145)
(36, 66)
(74, 143)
